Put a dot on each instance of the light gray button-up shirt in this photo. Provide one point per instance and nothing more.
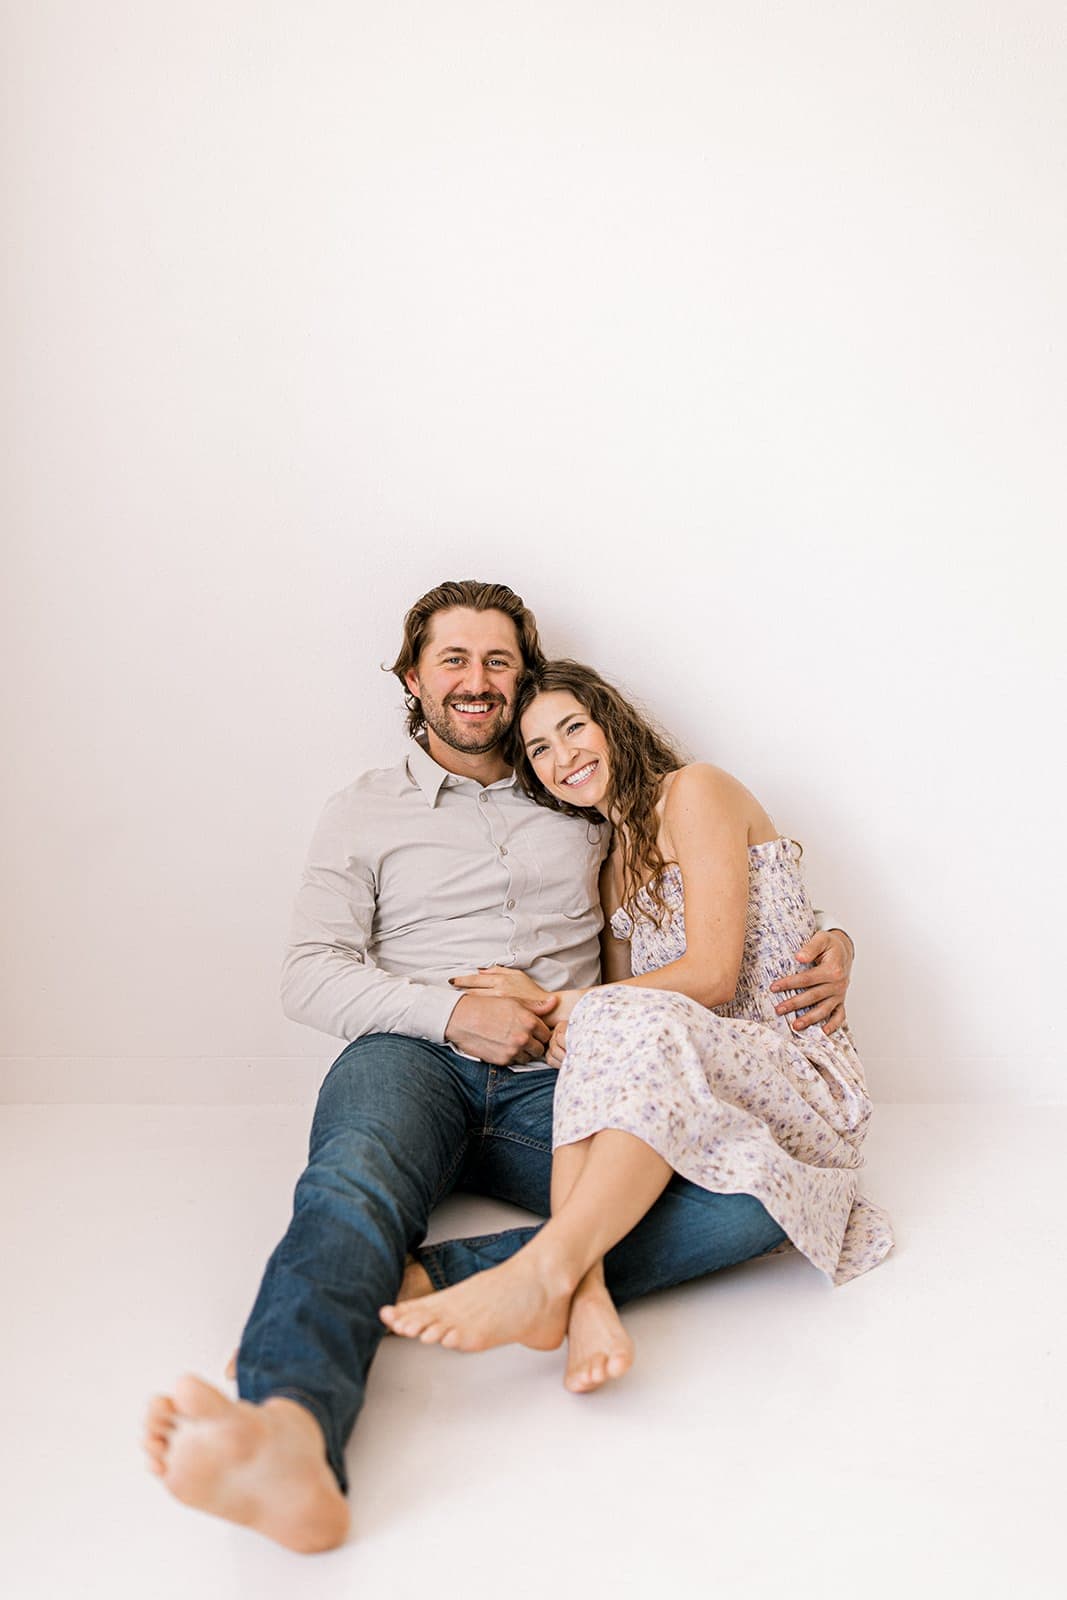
(415, 876)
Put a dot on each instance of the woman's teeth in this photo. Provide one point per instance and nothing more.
(580, 776)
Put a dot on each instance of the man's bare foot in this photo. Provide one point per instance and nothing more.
(416, 1282)
(598, 1346)
(262, 1466)
(523, 1301)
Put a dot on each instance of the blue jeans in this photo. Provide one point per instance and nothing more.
(399, 1124)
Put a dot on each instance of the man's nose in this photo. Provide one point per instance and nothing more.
(477, 678)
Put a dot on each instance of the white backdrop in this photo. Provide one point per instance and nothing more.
(731, 335)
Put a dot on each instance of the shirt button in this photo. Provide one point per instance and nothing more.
(503, 849)
(483, 797)
(510, 906)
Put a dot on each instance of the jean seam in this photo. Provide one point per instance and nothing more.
(517, 1138)
(443, 1188)
(265, 1345)
(490, 1086)
(476, 1240)
(427, 1260)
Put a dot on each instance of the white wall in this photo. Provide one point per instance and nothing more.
(731, 335)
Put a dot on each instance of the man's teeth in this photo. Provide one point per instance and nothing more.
(472, 705)
(581, 775)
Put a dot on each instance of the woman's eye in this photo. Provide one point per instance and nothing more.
(575, 726)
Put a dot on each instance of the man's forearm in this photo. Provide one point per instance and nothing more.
(329, 981)
(342, 993)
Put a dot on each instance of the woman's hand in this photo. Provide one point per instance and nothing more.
(557, 1046)
(507, 983)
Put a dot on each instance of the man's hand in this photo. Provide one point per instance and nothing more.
(557, 1046)
(823, 986)
(501, 1031)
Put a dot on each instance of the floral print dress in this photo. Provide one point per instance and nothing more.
(732, 1098)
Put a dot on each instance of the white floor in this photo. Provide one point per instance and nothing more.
(900, 1436)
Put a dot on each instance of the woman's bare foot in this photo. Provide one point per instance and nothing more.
(523, 1301)
(598, 1346)
(262, 1466)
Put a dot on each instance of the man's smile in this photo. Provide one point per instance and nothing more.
(475, 708)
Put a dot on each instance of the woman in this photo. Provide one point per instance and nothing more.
(679, 1062)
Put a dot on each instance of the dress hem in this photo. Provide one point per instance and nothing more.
(832, 1273)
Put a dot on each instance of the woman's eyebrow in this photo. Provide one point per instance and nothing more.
(570, 716)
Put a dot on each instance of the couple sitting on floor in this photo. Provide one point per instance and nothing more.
(680, 1094)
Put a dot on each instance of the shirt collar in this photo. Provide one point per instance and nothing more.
(431, 778)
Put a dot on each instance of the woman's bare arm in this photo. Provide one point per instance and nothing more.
(614, 953)
(707, 819)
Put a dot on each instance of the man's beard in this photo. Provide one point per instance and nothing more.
(472, 741)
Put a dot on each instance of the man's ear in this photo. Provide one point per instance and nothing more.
(412, 680)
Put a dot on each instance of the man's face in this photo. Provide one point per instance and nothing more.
(466, 678)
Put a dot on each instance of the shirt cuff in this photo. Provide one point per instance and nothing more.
(828, 924)
(431, 1009)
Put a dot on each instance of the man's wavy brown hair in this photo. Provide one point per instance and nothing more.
(641, 757)
(475, 596)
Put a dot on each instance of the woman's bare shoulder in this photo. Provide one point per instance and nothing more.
(702, 787)
(700, 783)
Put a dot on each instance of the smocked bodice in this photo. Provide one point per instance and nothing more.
(779, 919)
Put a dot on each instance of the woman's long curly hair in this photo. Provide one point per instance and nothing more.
(641, 758)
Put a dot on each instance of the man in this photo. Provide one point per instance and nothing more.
(417, 874)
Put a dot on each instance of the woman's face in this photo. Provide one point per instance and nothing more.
(567, 749)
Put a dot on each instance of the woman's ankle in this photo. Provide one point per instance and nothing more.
(559, 1265)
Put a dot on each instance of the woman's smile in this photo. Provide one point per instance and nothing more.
(575, 779)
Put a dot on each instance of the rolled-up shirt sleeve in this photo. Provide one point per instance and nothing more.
(826, 922)
(329, 980)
